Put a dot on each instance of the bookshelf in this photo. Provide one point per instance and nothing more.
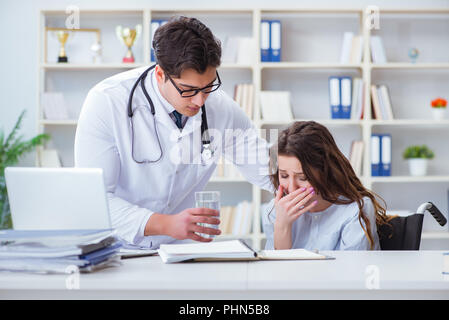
(310, 54)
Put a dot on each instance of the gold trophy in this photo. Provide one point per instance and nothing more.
(128, 37)
(62, 37)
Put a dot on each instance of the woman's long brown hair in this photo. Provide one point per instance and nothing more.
(327, 169)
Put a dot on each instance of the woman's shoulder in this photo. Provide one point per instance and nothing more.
(268, 211)
(352, 209)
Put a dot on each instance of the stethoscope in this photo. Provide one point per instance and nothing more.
(206, 153)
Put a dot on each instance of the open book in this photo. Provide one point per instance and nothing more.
(232, 250)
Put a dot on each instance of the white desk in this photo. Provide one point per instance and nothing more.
(401, 275)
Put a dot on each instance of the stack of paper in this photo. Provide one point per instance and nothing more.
(58, 251)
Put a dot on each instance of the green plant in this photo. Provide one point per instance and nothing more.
(11, 149)
(418, 152)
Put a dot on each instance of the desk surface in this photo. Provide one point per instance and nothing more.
(353, 275)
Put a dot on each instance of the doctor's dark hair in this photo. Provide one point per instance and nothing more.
(327, 169)
(185, 43)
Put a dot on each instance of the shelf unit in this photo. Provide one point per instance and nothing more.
(269, 76)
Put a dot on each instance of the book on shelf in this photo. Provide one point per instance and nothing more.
(358, 98)
(377, 50)
(356, 156)
(352, 48)
(380, 155)
(231, 250)
(54, 106)
(270, 40)
(238, 50)
(236, 220)
(381, 103)
(244, 96)
(276, 106)
(384, 98)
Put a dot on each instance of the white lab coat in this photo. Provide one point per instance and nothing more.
(135, 191)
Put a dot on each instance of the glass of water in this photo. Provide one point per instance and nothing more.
(211, 200)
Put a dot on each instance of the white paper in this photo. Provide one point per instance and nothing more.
(215, 247)
(293, 254)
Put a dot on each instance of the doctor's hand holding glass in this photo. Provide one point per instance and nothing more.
(185, 225)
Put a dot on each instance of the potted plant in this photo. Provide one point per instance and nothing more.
(439, 108)
(11, 149)
(418, 157)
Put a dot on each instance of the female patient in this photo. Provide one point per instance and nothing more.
(320, 203)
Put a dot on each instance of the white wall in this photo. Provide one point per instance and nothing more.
(18, 50)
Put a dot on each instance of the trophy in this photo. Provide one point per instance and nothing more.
(62, 37)
(128, 37)
(96, 49)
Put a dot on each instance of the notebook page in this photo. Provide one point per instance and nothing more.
(231, 246)
(293, 254)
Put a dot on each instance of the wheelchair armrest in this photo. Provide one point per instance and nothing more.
(437, 214)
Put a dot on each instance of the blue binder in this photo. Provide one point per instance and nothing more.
(275, 40)
(102, 254)
(156, 23)
(345, 97)
(265, 41)
(385, 154)
(375, 155)
(334, 97)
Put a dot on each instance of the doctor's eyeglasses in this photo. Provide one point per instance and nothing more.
(193, 92)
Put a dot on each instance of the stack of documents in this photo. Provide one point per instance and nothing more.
(232, 250)
(58, 251)
(133, 251)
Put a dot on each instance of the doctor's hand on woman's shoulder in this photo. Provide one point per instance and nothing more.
(184, 225)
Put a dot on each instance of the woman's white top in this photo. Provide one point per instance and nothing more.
(336, 228)
(135, 191)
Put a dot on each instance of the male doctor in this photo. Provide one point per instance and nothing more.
(145, 129)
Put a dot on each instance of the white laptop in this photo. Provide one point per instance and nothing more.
(57, 198)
